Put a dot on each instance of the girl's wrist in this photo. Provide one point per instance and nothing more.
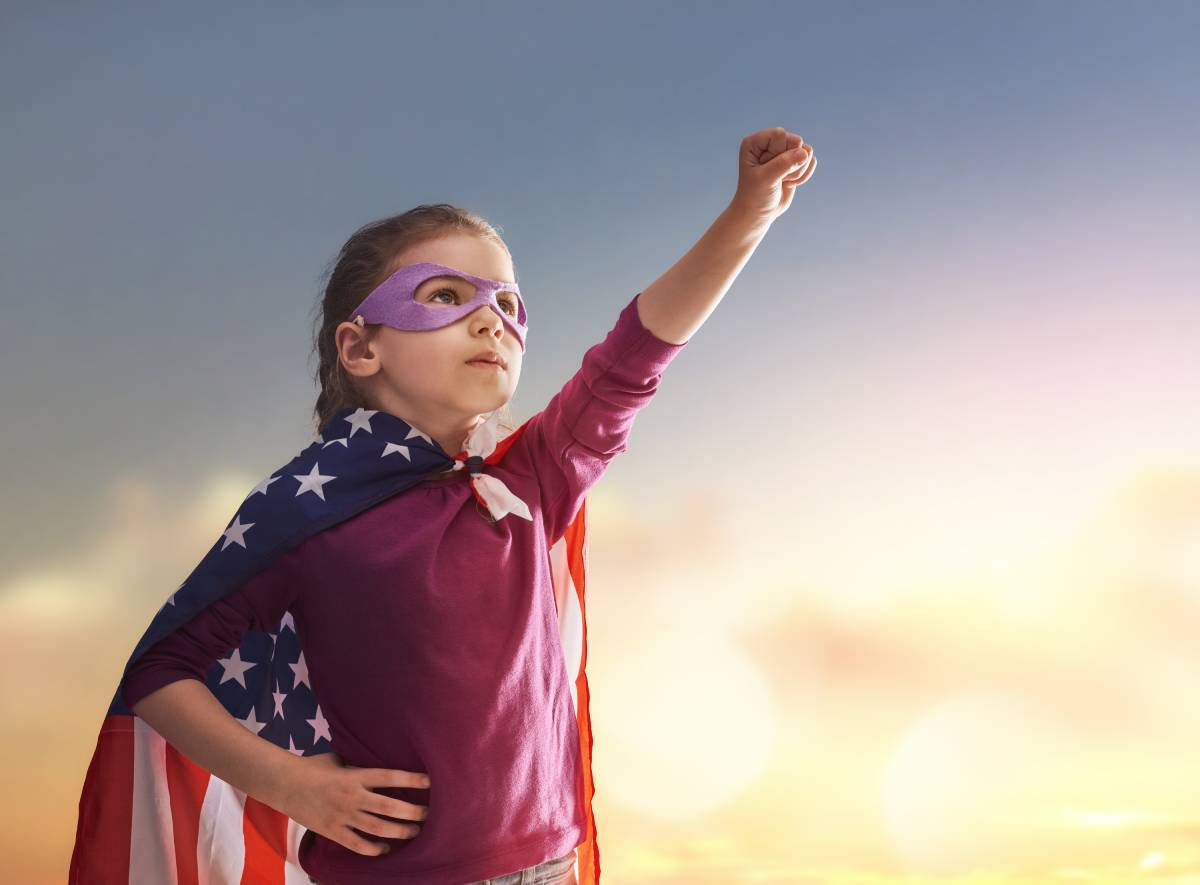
(279, 777)
(752, 221)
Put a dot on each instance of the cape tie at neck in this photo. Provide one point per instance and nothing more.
(482, 448)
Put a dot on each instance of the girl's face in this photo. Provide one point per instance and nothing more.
(425, 377)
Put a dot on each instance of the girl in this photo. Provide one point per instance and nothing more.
(386, 617)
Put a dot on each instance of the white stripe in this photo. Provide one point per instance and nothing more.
(570, 615)
(572, 636)
(151, 838)
(293, 873)
(220, 844)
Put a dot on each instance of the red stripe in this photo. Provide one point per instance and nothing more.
(265, 831)
(101, 852)
(187, 783)
(588, 856)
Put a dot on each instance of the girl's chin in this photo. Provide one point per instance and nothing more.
(483, 409)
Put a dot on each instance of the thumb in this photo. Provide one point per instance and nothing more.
(786, 162)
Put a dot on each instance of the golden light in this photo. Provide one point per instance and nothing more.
(690, 722)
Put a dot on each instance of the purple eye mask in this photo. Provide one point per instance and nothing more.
(392, 303)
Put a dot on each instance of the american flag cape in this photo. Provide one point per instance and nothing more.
(147, 813)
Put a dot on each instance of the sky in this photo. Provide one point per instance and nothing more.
(899, 578)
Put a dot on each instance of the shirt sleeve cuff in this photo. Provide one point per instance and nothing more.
(635, 338)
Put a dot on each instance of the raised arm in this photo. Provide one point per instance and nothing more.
(772, 163)
(587, 423)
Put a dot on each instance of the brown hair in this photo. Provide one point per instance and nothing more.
(364, 261)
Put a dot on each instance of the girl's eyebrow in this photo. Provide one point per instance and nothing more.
(461, 279)
(444, 277)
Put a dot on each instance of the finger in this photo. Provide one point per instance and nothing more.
(765, 144)
(752, 152)
(796, 181)
(385, 805)
(379, 826)
(762, 137)
(782, 140)
(394, 777)
(772, 141)
(786, 163)
(369, 847)
(804, 167)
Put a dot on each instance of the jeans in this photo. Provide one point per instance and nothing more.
(558, 871)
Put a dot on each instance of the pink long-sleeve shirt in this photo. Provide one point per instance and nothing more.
(431, 639)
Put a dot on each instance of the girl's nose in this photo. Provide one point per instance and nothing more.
(489, 313)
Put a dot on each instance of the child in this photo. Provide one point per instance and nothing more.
(387, 617)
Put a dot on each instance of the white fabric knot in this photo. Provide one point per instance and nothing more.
(496, 495)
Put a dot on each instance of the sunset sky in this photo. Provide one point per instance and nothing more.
(899, 579)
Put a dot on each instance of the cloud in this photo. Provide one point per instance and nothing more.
(144, 549)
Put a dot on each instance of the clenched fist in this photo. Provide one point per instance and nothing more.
(772, 163)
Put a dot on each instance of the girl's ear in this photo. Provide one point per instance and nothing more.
(353, 343)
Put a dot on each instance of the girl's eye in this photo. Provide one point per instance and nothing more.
(510, 306)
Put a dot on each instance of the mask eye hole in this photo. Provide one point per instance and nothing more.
(510, 302)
